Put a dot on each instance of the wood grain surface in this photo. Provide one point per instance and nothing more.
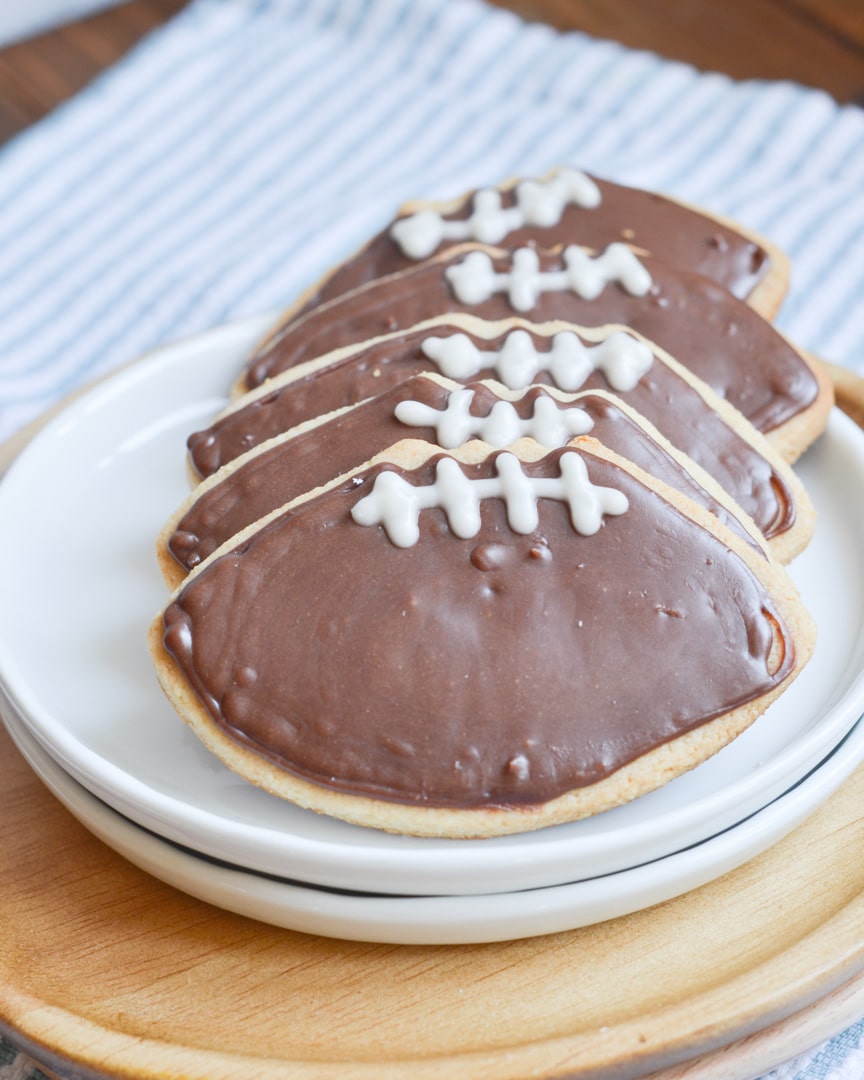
(40, 73)
(107, 968)
(816, 42)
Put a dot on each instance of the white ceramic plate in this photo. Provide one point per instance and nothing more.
(442, 920)
(79, 584)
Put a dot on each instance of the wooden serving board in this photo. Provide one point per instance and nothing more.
(105, 971)
(107, 968)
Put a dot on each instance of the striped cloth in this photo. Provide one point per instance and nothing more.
(249, 144)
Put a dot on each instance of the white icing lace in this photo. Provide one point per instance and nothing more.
(475, 280)
(395, 504)
(454, 424)
(538, 203)
(622, 359)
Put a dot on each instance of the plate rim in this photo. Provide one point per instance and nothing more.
(195, 818)
(748, 1001)
(331, 913)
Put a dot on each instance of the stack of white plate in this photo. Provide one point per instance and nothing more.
(80, 511)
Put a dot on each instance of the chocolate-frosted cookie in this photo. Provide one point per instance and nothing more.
(477, 643)
(713, 334)
(745, 467)
(687, 412)
(569, 207)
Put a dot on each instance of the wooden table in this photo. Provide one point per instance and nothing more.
(816, 42)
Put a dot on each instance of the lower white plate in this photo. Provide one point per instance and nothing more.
(81, 508)
(441, 920)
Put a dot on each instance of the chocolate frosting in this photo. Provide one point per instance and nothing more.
(314, 457)
(661, 396)
(685, 238)
(411, 674)
(718, 337)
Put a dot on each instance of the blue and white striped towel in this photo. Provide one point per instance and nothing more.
(249, 144)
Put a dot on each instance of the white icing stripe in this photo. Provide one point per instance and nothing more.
(622, 359)
(455, 425)
(538, 203)
(396, 504)
(475, 280)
